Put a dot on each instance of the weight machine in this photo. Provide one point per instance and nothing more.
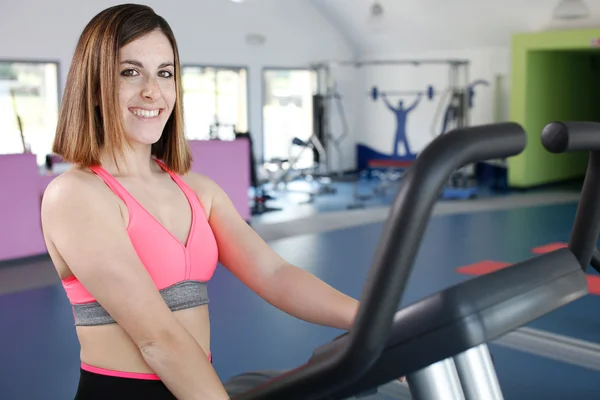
(328, 93)
(321, 142)
(454, 97)
(459, 92)
(311, 175)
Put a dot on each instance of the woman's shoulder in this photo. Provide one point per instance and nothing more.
(73, 180)
(204, 187)
(76, 186)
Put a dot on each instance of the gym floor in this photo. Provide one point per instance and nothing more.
(556, 357)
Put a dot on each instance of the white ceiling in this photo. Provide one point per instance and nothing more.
(421, 25)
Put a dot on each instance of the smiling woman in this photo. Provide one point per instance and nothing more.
(127, 227)
(135, 236)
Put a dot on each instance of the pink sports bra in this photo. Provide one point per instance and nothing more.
(179, 271)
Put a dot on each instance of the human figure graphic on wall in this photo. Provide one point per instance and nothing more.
(401, 116)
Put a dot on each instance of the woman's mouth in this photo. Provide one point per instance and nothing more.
(145, 113)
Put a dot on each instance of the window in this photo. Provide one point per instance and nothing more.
(28, 107)
(215, 102)
(288, 114)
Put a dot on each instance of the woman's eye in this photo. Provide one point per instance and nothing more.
(132, 72)
(129, 72)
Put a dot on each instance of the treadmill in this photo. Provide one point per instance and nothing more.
(439, 342)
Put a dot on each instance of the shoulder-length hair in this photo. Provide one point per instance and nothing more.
(89, 117)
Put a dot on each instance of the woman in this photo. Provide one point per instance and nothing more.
(135, 236)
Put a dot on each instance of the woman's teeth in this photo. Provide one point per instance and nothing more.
(145, 113)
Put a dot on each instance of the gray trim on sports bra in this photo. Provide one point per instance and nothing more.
(180, 296)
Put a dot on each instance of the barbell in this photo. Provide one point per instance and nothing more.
(375, 93)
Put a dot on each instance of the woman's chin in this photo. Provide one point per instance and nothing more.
(138, 142)
(144, 138)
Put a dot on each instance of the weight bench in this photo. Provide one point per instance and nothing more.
(387, 171)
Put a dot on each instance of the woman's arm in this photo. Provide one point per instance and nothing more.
(301, 294)
(285, 286)
(87, 230)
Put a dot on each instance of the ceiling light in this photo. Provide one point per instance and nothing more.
(571, 9)
(376, 19)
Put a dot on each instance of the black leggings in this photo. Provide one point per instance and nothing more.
(103, 387)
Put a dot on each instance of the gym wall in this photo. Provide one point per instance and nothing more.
(424, 123)
(209, 32)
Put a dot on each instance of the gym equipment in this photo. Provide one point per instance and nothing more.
(461, 186)
(439, 343)
(416, 63)
(387, 171)
(458, 73)
(450, 111)
(563, 137)
(328, 89)
(259, 205)
(595, 263)
(321, 142)
(322, 107)
(13, 98)
(375, 93)
(321, 177)
(283, 175)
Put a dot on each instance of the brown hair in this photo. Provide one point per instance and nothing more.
(89, 114)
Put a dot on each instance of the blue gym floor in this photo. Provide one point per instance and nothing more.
(292, 199)
(39, 358)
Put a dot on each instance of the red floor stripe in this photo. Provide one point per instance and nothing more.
(482, 267)
(547, 248)
(489, 266)
(593, 284)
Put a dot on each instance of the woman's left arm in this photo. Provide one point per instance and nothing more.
(304, 296)
(285, 286)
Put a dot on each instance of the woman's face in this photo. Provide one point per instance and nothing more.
(147, 90)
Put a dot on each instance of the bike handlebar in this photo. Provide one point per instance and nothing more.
(563, 137)
(394, 259)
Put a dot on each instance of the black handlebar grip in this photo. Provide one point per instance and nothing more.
(561, 137)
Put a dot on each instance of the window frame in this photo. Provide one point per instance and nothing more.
(59, 83)
(264, 95)
(223, 67)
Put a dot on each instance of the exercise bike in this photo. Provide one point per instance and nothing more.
(439, 342)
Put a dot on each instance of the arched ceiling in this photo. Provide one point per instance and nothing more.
(422, 25)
